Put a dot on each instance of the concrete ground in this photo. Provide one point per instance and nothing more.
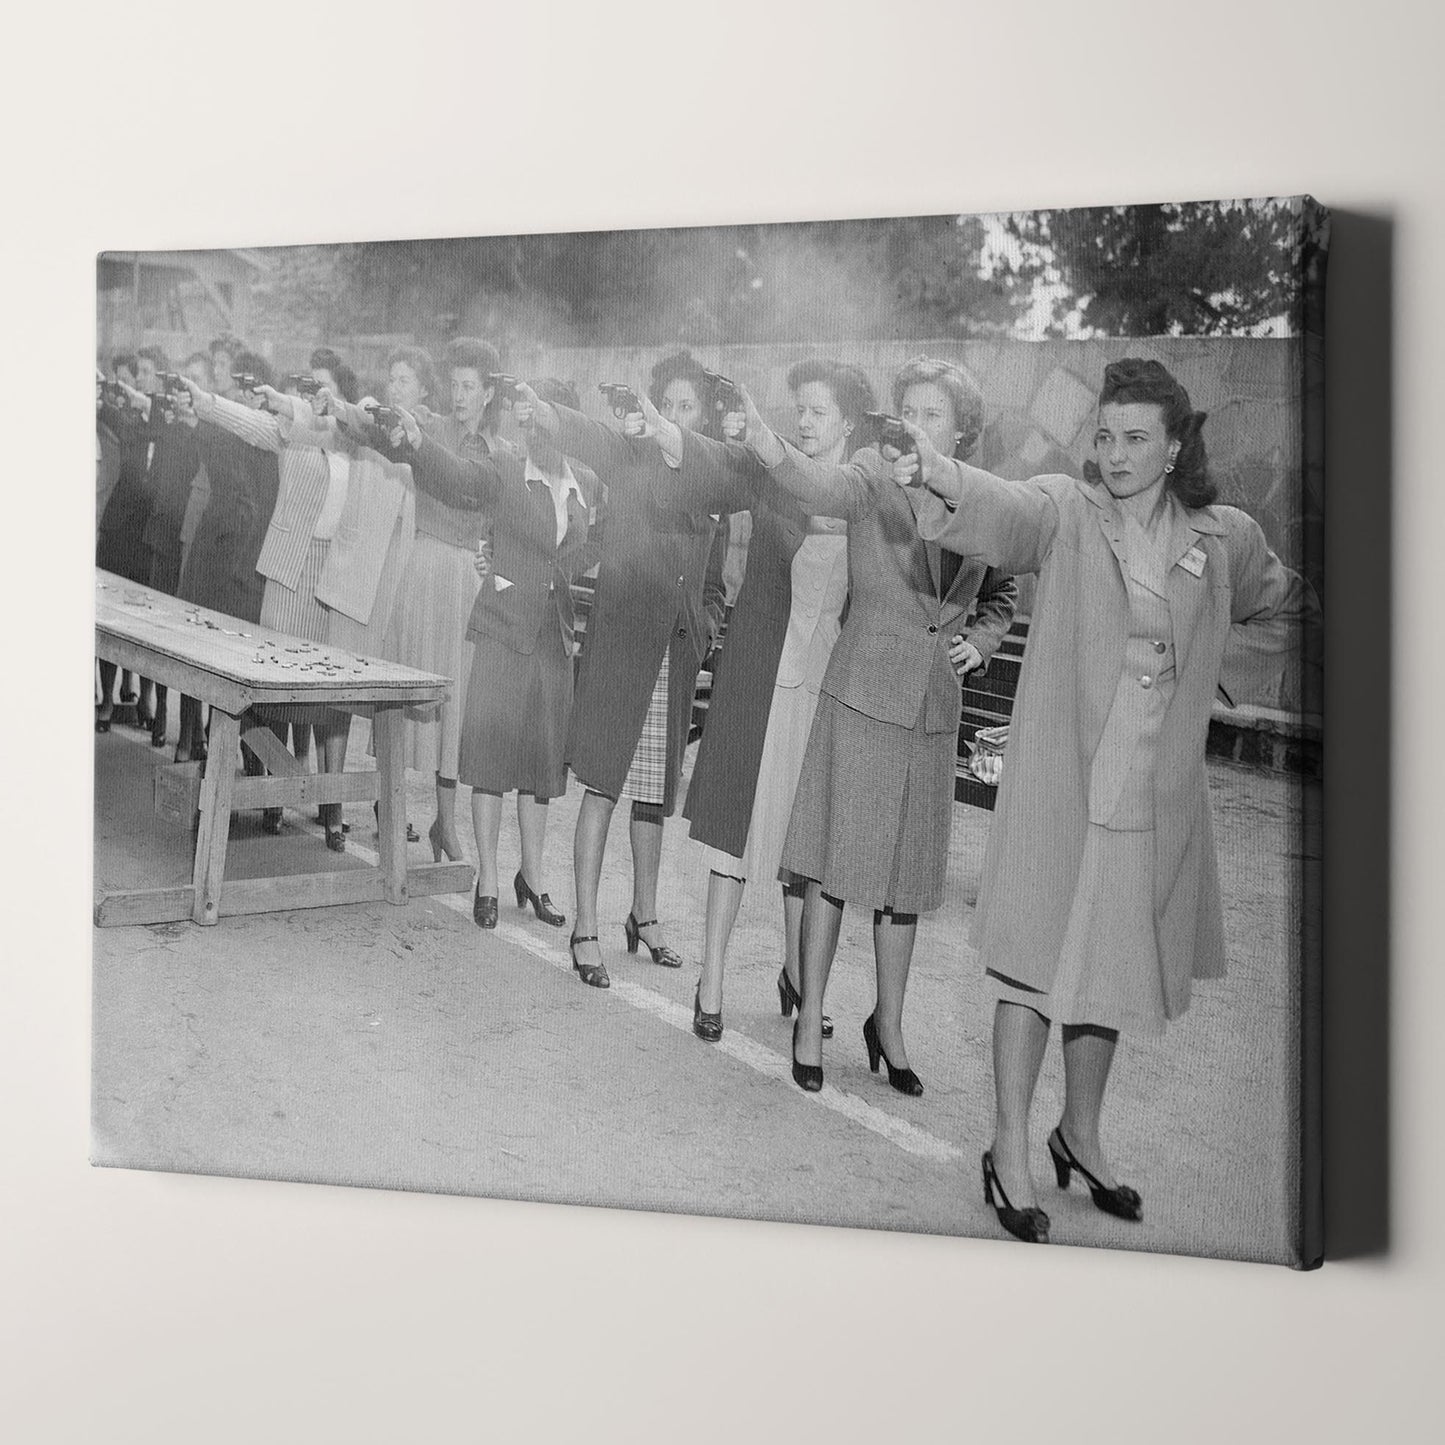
(403, 1048)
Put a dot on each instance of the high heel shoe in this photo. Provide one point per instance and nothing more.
(808, 1077)
(484, 908)
(336, 837)
(541, 903)
(594, 975)
(271, 821)
(1121, 1201)
(789, 999)
(439, 844)
(412, 836)
(1030, 1225)
(661, 954)
(708, 1027)
(904, 1080)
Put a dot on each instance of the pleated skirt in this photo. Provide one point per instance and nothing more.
(873, 810)
(428, 631)
(513, 731)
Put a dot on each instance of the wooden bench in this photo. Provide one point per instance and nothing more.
(234, 666)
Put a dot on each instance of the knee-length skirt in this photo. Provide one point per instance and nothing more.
(428, 631)
(513, 732)
(785, 743)
(873, 810)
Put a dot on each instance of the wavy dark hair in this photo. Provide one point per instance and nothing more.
(1136, 380)
(962, 394)
(421, 363)
(851, 390)
(471, 353)
(684, 366)
(325, 359)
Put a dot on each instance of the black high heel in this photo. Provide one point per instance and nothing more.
(336, 838)
(541, 903)
(904, 1080)
(271, 821)
(1030, 1225)
(661, 954)
(439, 845)
(708, 1027)
(808, 1077)
(594, 975)
(412, 836)
(1121, 1201)
(484, 909)
(789, 999)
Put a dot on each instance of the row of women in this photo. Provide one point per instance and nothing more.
(875, 578)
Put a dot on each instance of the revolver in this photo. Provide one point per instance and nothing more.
(172, 383)
(163, 405)
(504, 387)
(889, 431)
(302, 383)
(112, 394)
(386, 417)
(246, 382)
(725, 393)
(621, 398)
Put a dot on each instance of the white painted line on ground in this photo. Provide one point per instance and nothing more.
(899, 1132)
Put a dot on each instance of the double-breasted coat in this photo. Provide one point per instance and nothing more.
(1235, 616)
(659, 593)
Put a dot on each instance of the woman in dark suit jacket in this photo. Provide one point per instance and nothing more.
(874, 804)
(519, 697)
(658, 605)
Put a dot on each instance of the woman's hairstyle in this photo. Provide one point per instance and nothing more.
(155, 356)
(849, 385)
(124, 361)
(202, 358)
(962, 394)
(1137, 380)
(420, 363)
(554, 390)
(325, 359)
(684, 366)
(249, 364)
(231, 345)
(472, 353)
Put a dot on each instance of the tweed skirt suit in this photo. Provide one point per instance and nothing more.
(874, 804)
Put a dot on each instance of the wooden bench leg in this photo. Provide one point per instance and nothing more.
(216, 785)
(389, 727)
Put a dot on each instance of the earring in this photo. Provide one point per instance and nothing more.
(1168, 467)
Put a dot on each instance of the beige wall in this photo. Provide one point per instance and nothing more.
(164, 1308)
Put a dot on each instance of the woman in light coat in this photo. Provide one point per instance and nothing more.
(1099, 902)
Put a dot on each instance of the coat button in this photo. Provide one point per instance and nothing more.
(1160, 646)
(682, 632)
(680, 582)
(932, 630)
(1146, 681)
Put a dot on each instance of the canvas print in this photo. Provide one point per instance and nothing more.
(812, 723)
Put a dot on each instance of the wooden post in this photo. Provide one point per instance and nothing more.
(388, 725)
(216, 785)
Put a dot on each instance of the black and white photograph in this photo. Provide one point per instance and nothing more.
(815, 722)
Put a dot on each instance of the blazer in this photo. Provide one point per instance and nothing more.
(891, 660)
(1236, 614)
(525, 550)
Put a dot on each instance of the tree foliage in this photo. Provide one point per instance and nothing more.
(1204, 268)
